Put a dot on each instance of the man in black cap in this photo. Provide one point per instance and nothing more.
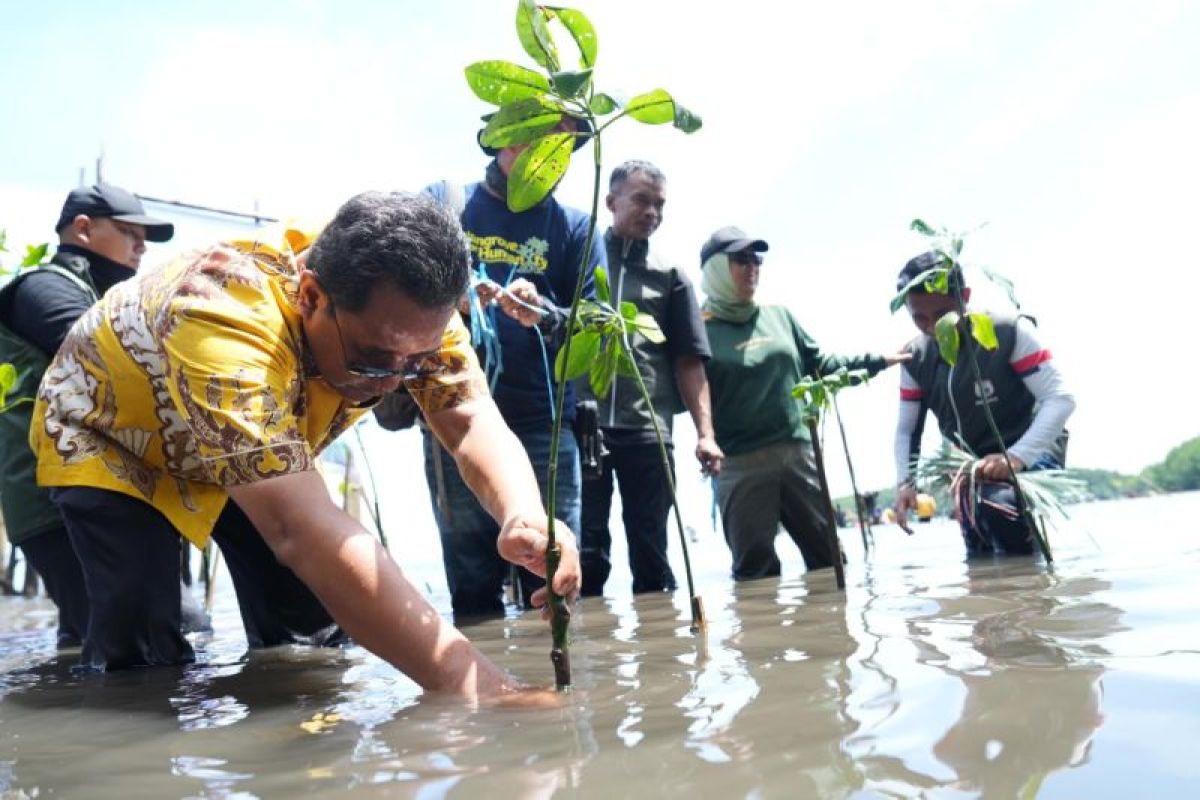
(102, 234)
(526, 264)
(1021, 384)
(673, 370)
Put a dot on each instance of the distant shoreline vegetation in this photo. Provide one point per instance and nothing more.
(1179, 471)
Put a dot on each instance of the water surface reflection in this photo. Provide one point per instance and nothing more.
(930, 676)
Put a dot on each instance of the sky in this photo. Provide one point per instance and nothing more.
(1068, 129)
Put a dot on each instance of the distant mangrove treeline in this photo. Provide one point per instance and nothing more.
(1178, 472)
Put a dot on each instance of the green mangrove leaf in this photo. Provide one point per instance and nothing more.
(603, 369)
(625, 365)
(687, 121)
(946, 334)
(8, 379)
(983, 330)
(538, 170)
(940, 282)
(922, 227)
(1004, 283)
(956, 245)
(582, 31)
(502, 82)
(521, 122)
(3, 240)
(35, 254)
(603, 294)
(571, 84)
(653, 108)
(602, 104)
(585, 345)
(923, 279)
(534, 34)
(648, 327)
(628, 310)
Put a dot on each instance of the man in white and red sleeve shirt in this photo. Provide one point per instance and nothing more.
(1021, 385)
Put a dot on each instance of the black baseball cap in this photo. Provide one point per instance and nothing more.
(730, 239)
(923, 263)
(106, 200)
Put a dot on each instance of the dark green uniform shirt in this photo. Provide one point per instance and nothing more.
(753, 368)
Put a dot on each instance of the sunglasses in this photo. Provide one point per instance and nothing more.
(747, 258)
(414, 367)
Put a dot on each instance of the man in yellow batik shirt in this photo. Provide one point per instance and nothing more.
(220, 376)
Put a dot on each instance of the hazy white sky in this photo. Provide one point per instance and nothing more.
(1071, 128)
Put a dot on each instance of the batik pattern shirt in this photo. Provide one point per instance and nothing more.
(195, 376)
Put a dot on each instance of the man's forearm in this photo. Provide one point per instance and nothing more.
(363, 588)
(693, 387)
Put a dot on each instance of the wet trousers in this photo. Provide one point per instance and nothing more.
(129, 554)
(645, 506)
(52, 557)
(475, 572)
(758, 491)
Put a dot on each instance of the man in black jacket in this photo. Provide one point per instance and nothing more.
(102, 233)
(674, 374)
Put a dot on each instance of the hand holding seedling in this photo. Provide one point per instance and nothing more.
(993, 468)
(523, 541)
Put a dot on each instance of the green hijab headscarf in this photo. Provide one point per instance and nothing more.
(722, 298)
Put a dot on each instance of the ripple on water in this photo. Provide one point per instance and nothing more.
(929, 676)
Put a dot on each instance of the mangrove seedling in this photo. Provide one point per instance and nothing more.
(951, 341)
(816, 394)
(530, 105)
(601, 349)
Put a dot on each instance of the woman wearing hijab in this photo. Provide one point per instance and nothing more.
(759, 352)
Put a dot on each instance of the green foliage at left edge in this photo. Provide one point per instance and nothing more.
(35, 254)
(8, 379)
(538, 170)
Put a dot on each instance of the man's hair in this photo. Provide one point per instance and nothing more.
(408, 241)
(622, 173)
(928, 261)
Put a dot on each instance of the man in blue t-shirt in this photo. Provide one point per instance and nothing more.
(526, 265)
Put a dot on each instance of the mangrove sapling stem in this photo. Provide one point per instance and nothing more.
(560, 612)
(699, 624)
(375, 515)
(858, 505)
(835, 546)
(1023, 506)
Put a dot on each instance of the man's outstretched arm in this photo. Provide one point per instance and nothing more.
(363, 588)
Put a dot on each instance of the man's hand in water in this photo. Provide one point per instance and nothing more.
(906, 500)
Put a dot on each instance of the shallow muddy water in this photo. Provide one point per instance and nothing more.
(928, 677)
